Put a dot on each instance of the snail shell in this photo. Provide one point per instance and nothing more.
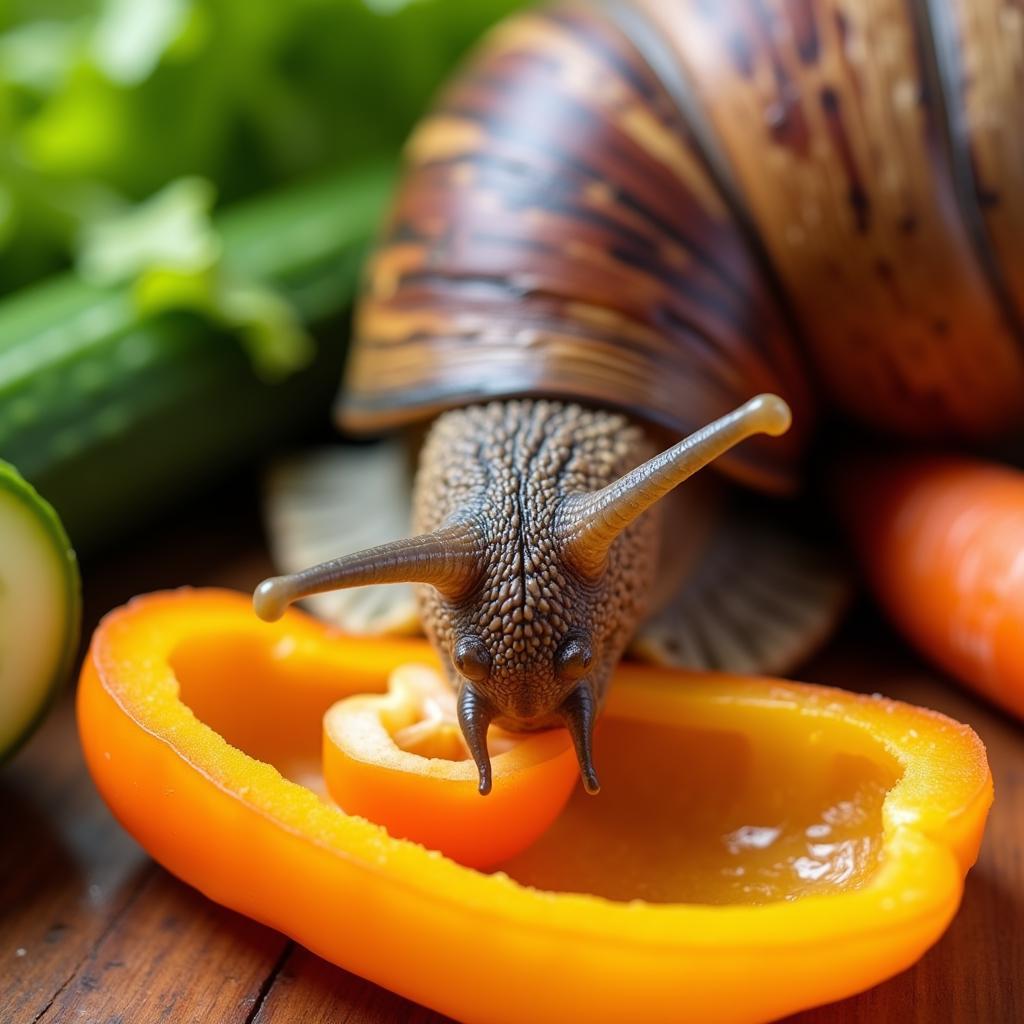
(665, 208)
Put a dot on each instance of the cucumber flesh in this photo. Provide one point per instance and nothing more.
(40, 608)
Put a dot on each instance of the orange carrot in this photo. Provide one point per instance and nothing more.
(942, 541)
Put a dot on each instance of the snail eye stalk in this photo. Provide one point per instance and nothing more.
(589, 523)
(448, 559)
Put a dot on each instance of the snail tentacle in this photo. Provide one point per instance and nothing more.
(591, 522)
(448, 559)
(475, 715)
(579, 712)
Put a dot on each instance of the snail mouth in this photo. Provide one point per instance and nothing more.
(529, 723)
(533, 708)
(575, 711)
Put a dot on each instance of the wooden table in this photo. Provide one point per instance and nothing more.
(91, 930)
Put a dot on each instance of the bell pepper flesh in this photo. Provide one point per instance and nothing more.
(429, 793)
(202, 730)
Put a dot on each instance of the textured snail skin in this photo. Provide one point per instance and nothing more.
(507, 466)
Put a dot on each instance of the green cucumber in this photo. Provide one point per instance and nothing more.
(114, 416)
(40, 607)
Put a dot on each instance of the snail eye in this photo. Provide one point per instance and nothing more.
(572, 659)
(471, 659)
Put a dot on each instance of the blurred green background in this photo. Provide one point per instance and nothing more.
(104, 103)
(187, 188)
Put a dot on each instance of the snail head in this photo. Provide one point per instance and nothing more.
(534, 554)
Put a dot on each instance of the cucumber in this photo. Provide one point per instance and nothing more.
(40, 607)
(115, 417)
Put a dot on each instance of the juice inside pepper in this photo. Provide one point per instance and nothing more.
(686, 813)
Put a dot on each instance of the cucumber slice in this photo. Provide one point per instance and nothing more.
(40, 608)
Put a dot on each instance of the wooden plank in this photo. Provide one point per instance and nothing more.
(67, 870)
(313, 991)
(172, 956)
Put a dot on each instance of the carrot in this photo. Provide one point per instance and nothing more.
(942, 541)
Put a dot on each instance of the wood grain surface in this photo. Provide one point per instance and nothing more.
(92, 931)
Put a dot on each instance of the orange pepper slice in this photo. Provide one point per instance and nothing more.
(758, 846)
(400, 760)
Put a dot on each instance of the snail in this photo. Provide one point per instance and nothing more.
(622, 221)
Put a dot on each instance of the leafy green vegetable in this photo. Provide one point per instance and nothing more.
(106, 102)
(171, 230)
(169, 249)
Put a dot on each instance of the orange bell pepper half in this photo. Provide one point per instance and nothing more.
(399, 759)
(757, 847)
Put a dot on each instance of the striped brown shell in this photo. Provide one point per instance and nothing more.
(668, 207)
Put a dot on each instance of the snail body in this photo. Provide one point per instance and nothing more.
(621, 221)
